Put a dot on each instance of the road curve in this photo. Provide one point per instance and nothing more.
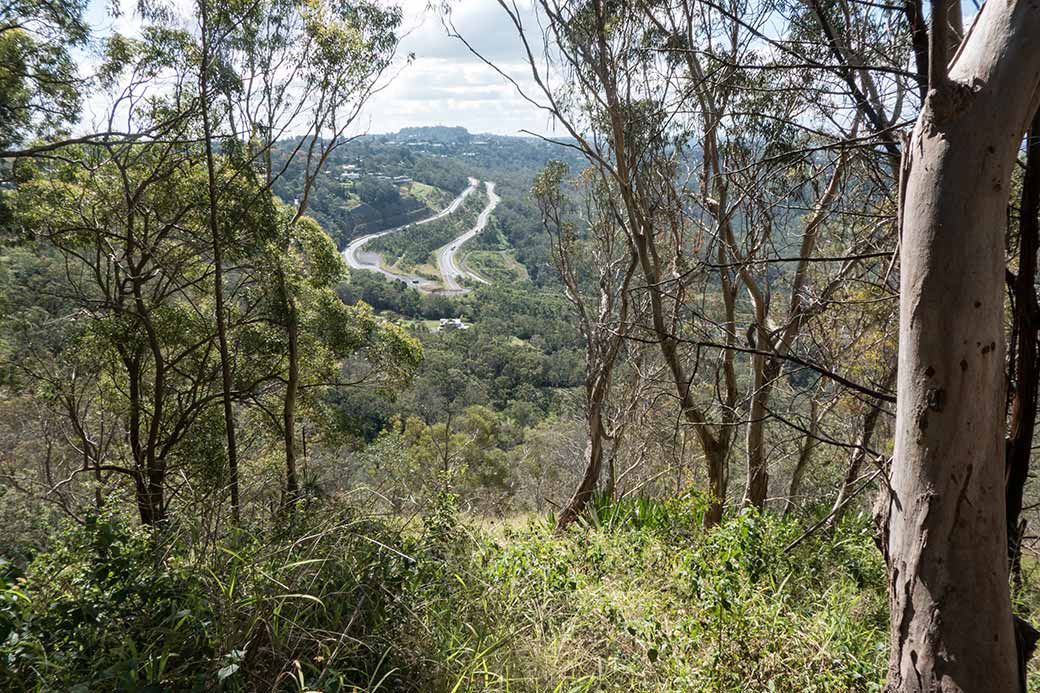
(446, 264)
(357, 259)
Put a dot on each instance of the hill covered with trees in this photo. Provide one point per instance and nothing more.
(738, 392)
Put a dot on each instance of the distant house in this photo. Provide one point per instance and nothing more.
(402, 180)
(453, 324)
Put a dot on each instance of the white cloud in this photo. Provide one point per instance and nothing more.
(445, 84)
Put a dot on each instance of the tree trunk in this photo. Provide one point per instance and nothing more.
(1019, 444)
(1026, 322)
(804, 456)
(859, 455)
(292, 386)
(150, 502)
(944, 520)
(765, 372)
(766, 369)
(715, 448)
(593, 465)
(641, 230)
(218, 264)
(715, 456)
(597, 392)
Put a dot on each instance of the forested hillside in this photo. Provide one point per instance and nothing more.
(722, 378)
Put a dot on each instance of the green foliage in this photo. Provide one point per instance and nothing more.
(644, 513)
(657, 609)
(331, 600)
(110, 607)
(39, 88)
(377, 192)
(520, 360)
(497, 266)
(346, 208)
(102, 610)
(153, 371)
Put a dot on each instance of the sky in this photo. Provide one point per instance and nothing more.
(445, 84)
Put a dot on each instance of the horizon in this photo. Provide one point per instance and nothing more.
(435, 78)
(548, 139)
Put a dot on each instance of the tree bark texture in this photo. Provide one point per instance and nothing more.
(944, 525)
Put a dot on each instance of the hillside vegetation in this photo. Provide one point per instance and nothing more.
(737, 392)
(639, 599)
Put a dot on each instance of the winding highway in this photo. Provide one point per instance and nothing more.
(446, 264)
(356, 258)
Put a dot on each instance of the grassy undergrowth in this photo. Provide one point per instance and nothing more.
(639, 598)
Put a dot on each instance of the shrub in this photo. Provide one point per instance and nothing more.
(102, 610)
(639, 599)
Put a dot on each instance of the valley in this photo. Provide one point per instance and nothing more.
(357, 259)
(449, 265)
(700, 355)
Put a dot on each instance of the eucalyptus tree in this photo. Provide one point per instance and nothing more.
(618, 99)
(208, 57)
(125, 220)
(149, 222)
(265, 70)
(40, 90)
(303, 70)
(661, 93)
(307, 69)
(944, 523)
(310, 359)
(793, 136)
(596, 266)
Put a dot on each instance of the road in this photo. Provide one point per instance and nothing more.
(446, 264)
(357, 259)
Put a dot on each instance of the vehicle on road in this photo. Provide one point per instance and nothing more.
(354, 256)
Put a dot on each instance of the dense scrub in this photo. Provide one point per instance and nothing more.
(640, 598)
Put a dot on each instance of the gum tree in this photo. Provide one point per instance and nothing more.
(944, 520)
